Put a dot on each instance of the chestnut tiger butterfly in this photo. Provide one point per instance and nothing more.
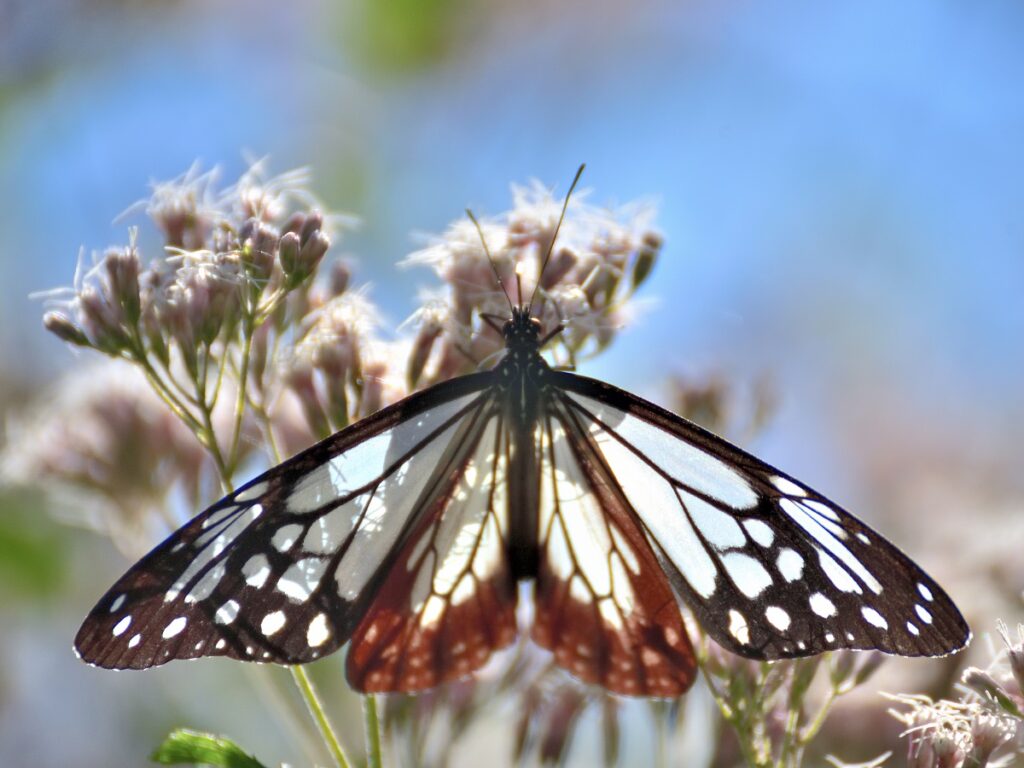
(407, 533)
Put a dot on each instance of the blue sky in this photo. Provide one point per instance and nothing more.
(839, 184)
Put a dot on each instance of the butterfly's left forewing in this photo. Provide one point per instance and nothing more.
(770, 567)
(283, 569)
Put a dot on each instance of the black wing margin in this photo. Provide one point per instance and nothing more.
(283, 569)
(771, 568)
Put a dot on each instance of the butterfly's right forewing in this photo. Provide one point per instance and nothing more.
(283, 569)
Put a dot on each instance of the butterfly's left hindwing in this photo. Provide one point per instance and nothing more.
(449, 600)
(771, 568)
(283, 569)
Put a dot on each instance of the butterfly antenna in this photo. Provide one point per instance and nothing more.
(554, 237)
(494, 266)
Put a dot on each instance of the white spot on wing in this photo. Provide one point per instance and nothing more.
(174, 627)
(302, 578)
(272, 622)
(433, 610)
(748, 574)
(923, 613)
(463, 590)
(738, 627)
(256, 570)
(253, 492)
(790, 563)
(628, 555)
(122, 625)
(118, 602)
(318, 632)
(912, 629)
(284, 537)
(822, 606)
(760, 531)
(823, 510)
(718, 527)
(136, 639)
(925, 592)
(226, 613)
(205, 586)
(216, 517)
(778, 617)
(874, 617)
(837, 574)
(788, 487)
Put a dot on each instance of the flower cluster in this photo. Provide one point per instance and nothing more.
(111, 452)
(205, 316)
(770, 705)
(985, 726)
(601, 257)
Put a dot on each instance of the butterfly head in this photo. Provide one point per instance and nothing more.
(521, 330)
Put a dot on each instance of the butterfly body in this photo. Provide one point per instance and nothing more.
(522, 377)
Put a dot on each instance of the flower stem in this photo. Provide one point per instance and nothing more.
(373, 752)
(243, 375)
(317, 711)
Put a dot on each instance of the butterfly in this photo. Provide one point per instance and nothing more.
(406, 535)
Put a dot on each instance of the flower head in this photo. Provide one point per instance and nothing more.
(580, 287)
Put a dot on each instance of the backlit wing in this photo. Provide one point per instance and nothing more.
(771, 568)
(603, 605)
(284, 569)
(449, 599)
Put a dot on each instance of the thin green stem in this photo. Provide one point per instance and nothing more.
(214, 448)
(243, 374)
(660, 736)
(373, 753)
(812, 728)
(317, 711)
(167, 395)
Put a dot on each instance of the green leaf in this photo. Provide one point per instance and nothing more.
(184, 747)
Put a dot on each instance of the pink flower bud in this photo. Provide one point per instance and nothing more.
(123, 273)
(650, 246)
(101, 321)
(338, 279)
(60, 325)
(421, 349)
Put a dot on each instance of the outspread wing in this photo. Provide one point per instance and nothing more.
(771, 568)
(603, 605)
(285, 568)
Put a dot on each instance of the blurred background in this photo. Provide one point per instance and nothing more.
(839, 189)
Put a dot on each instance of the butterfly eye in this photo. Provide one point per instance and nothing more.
(535, 325)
